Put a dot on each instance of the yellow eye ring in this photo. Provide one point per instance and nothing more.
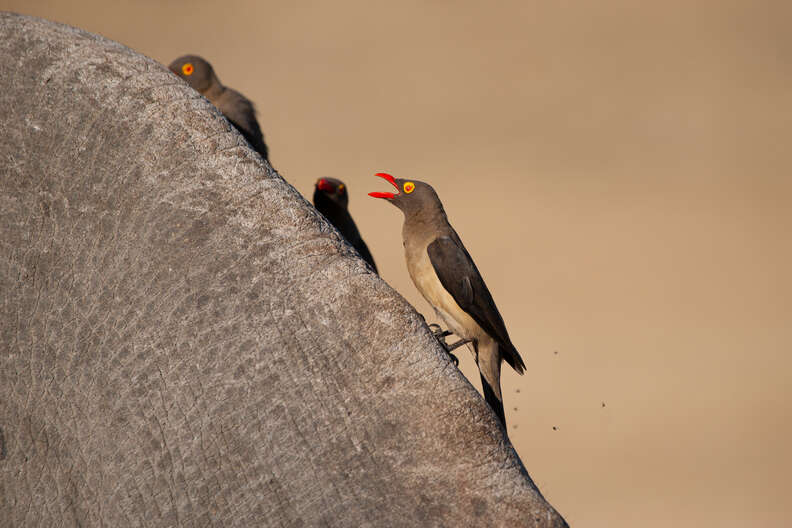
(409, 187)
(341, 187)
(188, 69)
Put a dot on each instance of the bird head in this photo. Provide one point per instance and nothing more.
(195, 71)
(411, 196)
(331, 189)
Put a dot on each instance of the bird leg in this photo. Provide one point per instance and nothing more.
(440, 335)
(458, 344)
(438, 332)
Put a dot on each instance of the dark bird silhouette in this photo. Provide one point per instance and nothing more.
(331, 198)
(446, 276)
(237, 108)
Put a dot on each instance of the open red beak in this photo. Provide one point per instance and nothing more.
(387, 195)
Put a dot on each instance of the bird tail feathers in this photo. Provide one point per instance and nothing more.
(489, 364)
(494, 402)
(513, 358)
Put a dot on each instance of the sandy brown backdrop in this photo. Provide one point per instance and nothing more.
(621, 175)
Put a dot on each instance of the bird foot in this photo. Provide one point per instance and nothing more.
(438, 332)
(440, 335)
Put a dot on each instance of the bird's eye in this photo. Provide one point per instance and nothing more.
(188, 69)
(341, 188)
(409, 187)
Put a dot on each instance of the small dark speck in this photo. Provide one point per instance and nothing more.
(479, 507)
(603, 404)
(555, 428)
(555, 352)
(515, 408)
(517, 391)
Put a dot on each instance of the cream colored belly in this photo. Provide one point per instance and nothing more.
(423, 275)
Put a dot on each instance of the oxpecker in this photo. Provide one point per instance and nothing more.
(446, 276)
(237, 108)
(331, 198)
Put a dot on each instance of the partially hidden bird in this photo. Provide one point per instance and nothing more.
(446, 276)
(331, 198)
(237, 108)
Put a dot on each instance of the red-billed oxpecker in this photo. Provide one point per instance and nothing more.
(446, 276)
(331, 198)
(237, 108)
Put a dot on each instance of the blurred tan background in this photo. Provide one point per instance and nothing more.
(620, 172)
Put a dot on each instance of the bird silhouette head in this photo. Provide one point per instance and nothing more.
(331, 189)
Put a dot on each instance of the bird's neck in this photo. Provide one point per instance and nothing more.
(430, 222)
(323, 203)
(214, 92)
(335, 212)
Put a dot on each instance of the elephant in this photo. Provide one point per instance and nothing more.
(181, 331)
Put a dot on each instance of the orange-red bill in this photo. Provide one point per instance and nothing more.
(387, 195)
(324, 185)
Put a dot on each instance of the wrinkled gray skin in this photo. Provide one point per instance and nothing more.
(182, 334)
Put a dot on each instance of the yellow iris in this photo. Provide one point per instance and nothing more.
(187, 69)
(409, 187)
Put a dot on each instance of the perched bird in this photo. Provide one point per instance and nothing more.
(238, 109)
(446, 276)
(332, 200)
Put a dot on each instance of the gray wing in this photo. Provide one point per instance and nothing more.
(460, 277)
(242, 114)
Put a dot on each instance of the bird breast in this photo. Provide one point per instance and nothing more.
(425, 279)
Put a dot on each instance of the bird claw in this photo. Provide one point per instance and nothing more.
(453, 358)
(440, 335)
(438, 332)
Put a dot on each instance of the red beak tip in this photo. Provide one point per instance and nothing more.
(386, 176)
